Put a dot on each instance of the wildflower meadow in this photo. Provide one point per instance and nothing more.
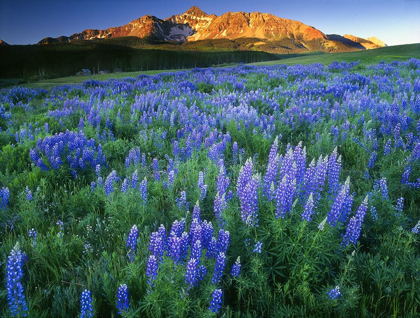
(249, 191)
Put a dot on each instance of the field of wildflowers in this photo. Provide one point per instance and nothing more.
(246, 191)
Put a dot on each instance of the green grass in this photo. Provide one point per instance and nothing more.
(387, 54)
(47, 84)
(98, 77)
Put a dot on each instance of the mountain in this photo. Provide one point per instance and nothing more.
(268, 32)
(2, 43)
(366, 43)
(376, 41)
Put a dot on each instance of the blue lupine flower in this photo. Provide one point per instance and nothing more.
(132, 242)
(156, 245)
(202, 272)
(334, 167)
(236, 268)
(337, 207)
(416, 228)
(200, 182)
(28, 194)
(174, 247)
(218, 269)
(175, 150)
(387, 149)
(181, 202)
(372, 160)
(355, 225)
(216, 300)
(143, 190)
(98, 170)
(155, 165)
(235, 153)
(249, 201)
(196, 251)
(4, 196)
(334, 293)
(191, 275)
(383, 188)
(100, 182)
(123, 302)
(270, 177)
(203, 192)
(223, 240)
(14, 274)
(220, 206)
(196, 232)
(171, 177)
(400, 205)
(33, 235)
(373, 213)
(124, 186)
(61, 226)
(245, 176)
(398, 142)
(196, 211)
(299, 157)
(212, 248)
(416, 152)
(284, 196)
(321, 174)
(309, 207)
(184, 244)
(152, 269)
(406, 175)
(86, 304)
(162, 234)
(257, 247)
(222, 183)
(109, 183)
(346, 208)
(178, 227)
(207, 233)
(134, 179)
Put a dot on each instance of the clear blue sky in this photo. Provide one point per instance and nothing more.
(28, 21)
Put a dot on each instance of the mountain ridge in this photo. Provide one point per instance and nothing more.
(195, 25)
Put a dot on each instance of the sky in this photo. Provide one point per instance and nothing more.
(28, 21)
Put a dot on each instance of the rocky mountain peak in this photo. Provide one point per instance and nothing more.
(195, 11)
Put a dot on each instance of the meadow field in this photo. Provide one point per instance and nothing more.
(252, 190)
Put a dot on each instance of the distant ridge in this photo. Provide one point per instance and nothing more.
(366, 43)
(2, 43)
(196, 25)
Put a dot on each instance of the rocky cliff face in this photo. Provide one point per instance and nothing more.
(194, 25)
(233, 25)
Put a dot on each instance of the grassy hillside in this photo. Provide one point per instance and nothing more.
(129, 54)
(387, 54)
(400, 52)
(98, 77)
